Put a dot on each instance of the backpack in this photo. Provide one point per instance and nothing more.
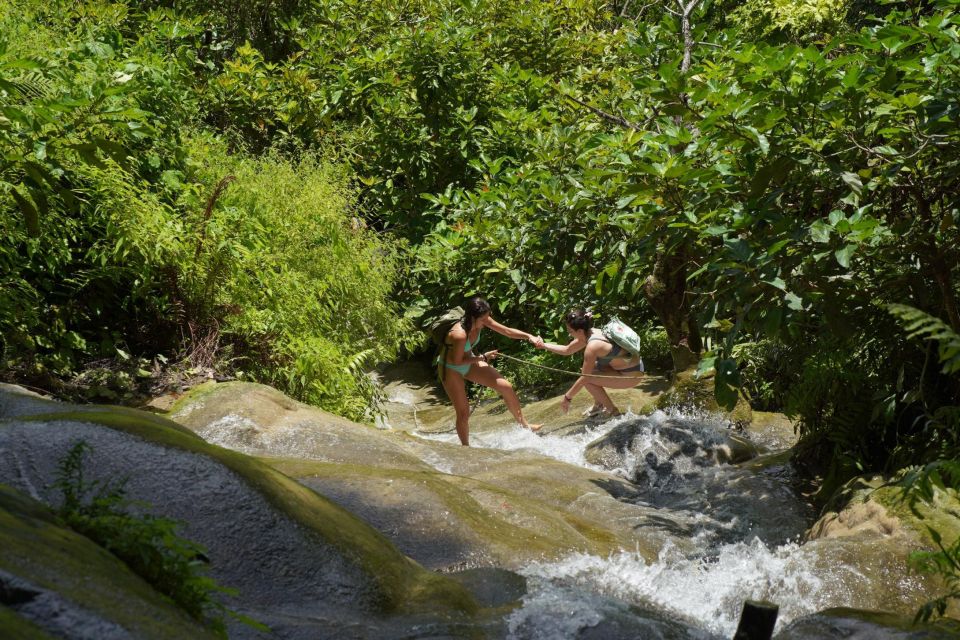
(439, 323)
(620, 334)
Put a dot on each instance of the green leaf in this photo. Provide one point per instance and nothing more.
(820, 231)
(843, 255)
(727, 383)
(761, 139)
(706, 365)
(853, 181)
(794, 301)
(778, 283)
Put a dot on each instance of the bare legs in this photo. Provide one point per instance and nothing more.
(457, 392)
(595, 386)
(488, 376)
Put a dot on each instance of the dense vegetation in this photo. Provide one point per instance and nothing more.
(277, 189)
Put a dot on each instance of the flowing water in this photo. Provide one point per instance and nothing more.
(746, 526)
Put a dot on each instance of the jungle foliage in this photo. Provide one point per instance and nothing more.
(129, 227)
(281, 187)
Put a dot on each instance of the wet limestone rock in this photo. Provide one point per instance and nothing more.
(720, 447)
(870, 511)
(871, 505)
(55, 581)
(772, 431)
(259, 420)
(444, 505)
(300, 562)
(846, 624)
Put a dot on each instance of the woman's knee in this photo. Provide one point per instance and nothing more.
(503, 386)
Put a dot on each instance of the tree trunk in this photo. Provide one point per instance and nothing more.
(666, 291)
(942, 274)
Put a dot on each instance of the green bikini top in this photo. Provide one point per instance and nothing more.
(467, 346)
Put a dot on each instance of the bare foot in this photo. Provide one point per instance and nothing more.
(534, 427)
(593, 411)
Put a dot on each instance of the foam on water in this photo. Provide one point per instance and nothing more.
(569, 449)
(707, 593)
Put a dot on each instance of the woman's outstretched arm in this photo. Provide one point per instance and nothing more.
(510, 332)
(565, 350)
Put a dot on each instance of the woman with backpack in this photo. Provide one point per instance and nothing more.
(603, 354)
(458, 363)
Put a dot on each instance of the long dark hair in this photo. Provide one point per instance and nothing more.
(580, 320)
(475, 307)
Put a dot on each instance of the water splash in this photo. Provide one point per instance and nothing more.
(568, 448)
(744, 525)
(704, 592)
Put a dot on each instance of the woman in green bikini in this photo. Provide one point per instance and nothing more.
(461, 364)
(619, 368)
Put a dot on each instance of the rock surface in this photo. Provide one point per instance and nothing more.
(851, 624)
(615, 447)
(57, 582)
(301, 564)
(444, 505)
(311, 569)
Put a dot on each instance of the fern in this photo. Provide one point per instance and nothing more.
(923, 325)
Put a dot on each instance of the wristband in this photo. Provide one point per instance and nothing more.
(566, 398)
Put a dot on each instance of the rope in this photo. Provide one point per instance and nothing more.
(569, 373)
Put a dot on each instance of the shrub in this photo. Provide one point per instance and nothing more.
(284, 268)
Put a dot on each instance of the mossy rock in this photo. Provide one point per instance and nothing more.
(879, 500)
(772, 431)
(446, 521)
(842, 623)
(693, 393)
(259, 420)
(442, 504)
(58, 582)
(15, 626)
(364, 570)
(493, 507)
(872, 508)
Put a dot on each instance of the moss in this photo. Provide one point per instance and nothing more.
(405, 585)
(690, 391)
(945, 519)
(458, 501)
(41, 551)
(592, 532)
(13, 626)
(195, 394)
(761, 463)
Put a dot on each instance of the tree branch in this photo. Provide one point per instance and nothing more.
(623, 122)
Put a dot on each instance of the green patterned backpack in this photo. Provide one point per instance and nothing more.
(619, 333)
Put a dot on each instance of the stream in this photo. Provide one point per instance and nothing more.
(746, 528)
